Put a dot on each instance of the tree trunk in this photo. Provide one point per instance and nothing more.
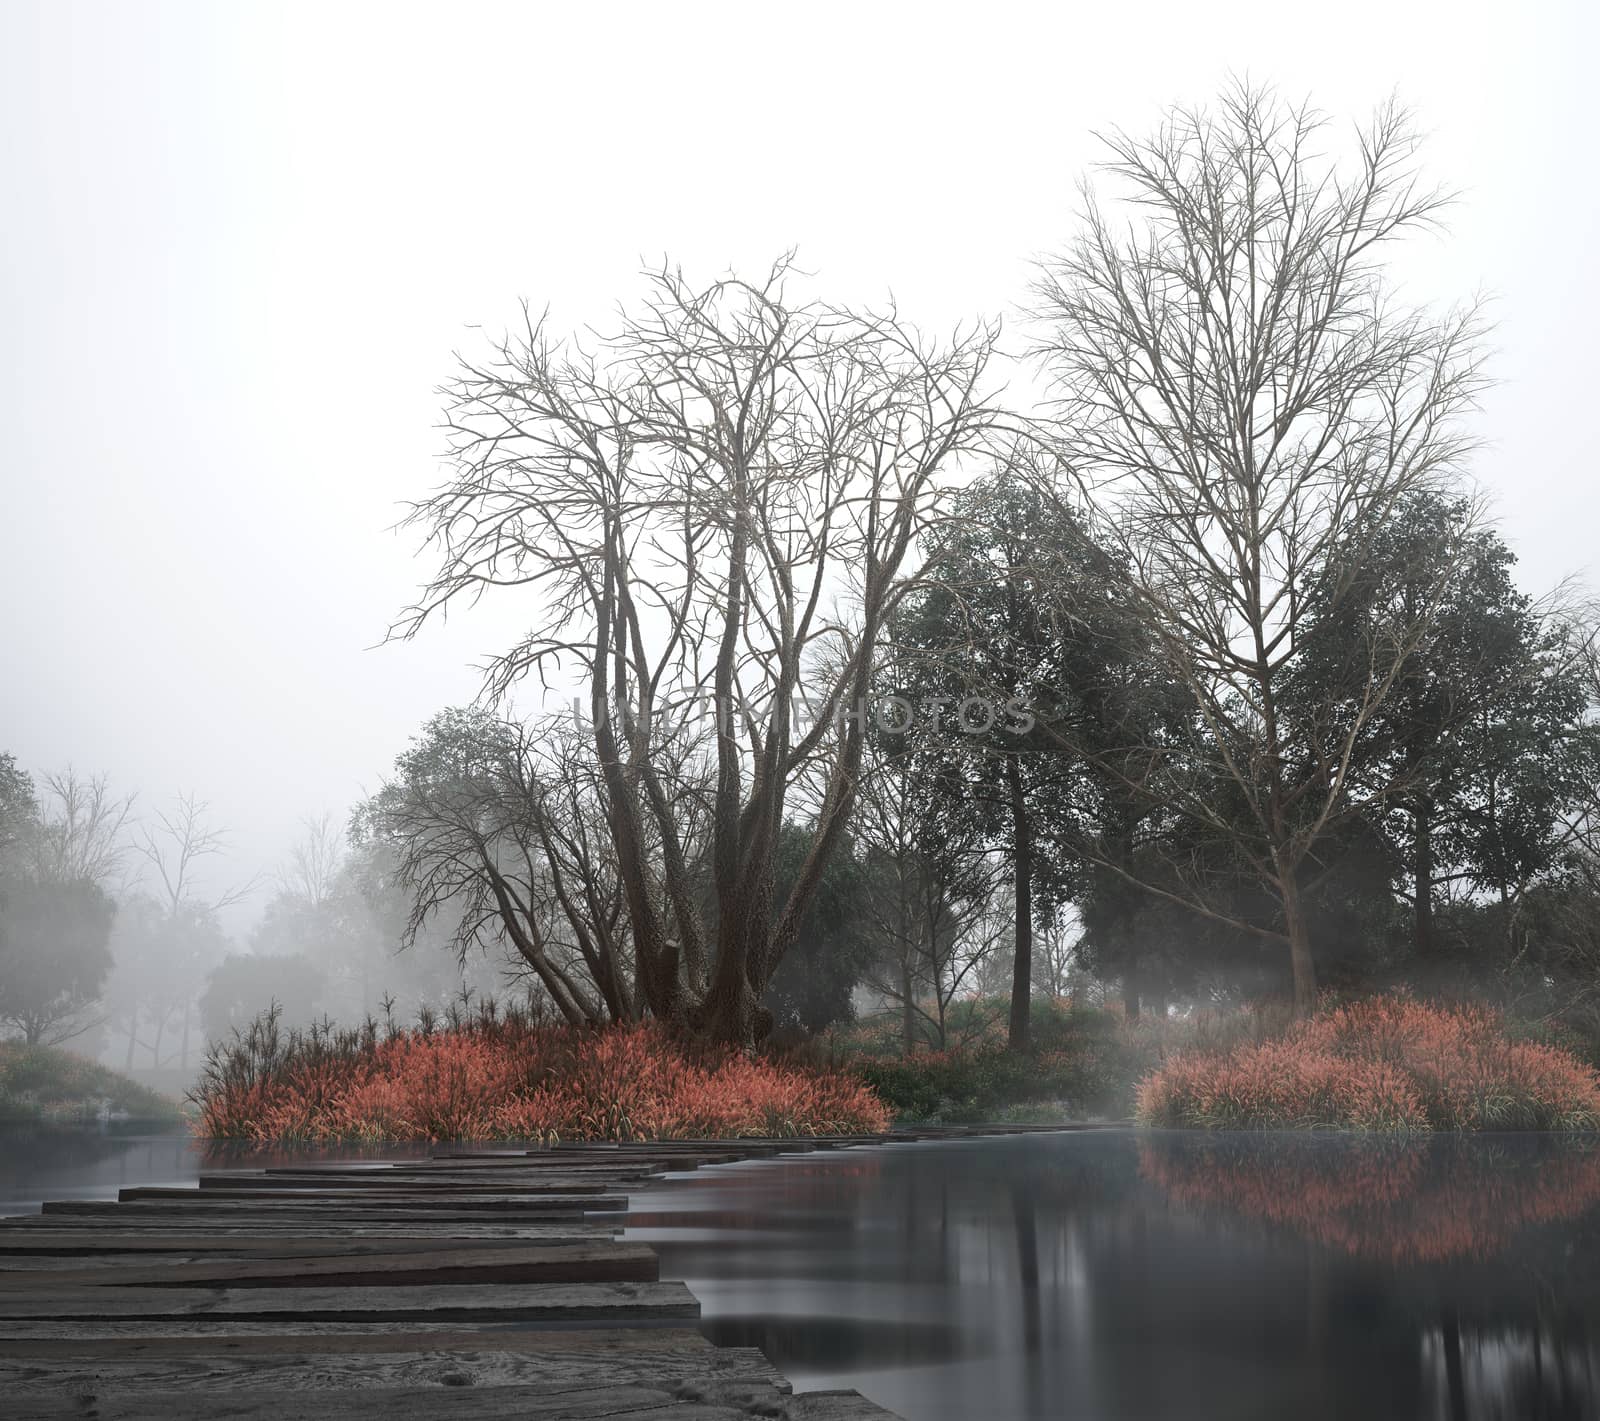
(1422, 870)
(908, 1011)
(1130, 997)
(1301, 963)
(1022, 880)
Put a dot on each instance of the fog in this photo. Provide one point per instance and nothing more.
(242, 241)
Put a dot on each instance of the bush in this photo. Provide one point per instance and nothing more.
(47, 1084)
(1079, 1065)
(499, 1078)
(1385, 1063)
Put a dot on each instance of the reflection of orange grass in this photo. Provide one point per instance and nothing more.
(1386, 1063)
(506, 1082)
(1398, 1203)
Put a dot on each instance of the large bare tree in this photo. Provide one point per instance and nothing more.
(1237, 379)
(712, 509)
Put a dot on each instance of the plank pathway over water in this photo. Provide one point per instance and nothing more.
(475, 1284)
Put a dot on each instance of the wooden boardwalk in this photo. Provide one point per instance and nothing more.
(478, 1283)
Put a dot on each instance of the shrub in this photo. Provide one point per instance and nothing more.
(1079, 1065)
(48, 1084)
(505, 1078)
(1382, 1063)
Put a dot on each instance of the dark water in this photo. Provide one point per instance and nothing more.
(1107, 1275)
(94, 1162)
(1125, 1274)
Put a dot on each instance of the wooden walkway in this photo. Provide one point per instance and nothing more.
(475, 1284)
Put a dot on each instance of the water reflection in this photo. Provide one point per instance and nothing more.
(1122, 1274)
(39, 1162)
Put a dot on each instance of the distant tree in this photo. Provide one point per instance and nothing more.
(243, 985)
(19, 814)
(54, 956)
(1238, 381)
(169, 934)
(83, 831)
(58, 858)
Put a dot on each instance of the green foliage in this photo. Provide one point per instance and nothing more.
(46, 1083)
(812, 987)
(54, 953)
(1080, 1066)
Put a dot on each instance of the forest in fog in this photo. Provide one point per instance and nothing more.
(1202, 678)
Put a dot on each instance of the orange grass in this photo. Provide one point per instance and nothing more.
(1383, 1063)
(513, 1080)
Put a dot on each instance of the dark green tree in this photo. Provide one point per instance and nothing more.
(1024, 665)
(812, 988)
(1481, 749)
(54, 955)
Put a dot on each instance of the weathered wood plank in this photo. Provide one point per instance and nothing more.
(490, 1403)
(578, 1263)
(506, 1302)
(564, 1188)
(479, 1359)
(397, 1207)
(64, 1230)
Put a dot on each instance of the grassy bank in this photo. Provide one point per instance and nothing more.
(507, 1078)
(52, 1086)
(1387, 1063)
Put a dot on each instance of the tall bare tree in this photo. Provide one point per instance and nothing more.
(1236, 377)
(713, 507)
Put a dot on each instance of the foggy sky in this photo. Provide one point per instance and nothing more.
(241, 242)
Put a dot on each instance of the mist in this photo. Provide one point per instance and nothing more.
(244, 243)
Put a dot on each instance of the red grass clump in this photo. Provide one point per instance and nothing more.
(1384, 1063)
(500, 1080)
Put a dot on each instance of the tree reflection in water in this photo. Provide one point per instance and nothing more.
(1120, 1274)
(1470, 1229)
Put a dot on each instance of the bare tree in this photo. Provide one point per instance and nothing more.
(940, 909)
(501, 828)
(714, 506)
(312, 871)
(1236, 378)
(81, 835)
(172, 935)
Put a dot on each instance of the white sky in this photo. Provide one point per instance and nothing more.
(240, 242)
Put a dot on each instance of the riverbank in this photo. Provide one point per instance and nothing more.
(50, 1086)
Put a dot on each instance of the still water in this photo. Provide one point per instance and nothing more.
(1108, 1274)
(1128, 1274)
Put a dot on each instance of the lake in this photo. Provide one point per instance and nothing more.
(1104, 1274)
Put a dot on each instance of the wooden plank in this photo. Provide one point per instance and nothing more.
(504, 1303)
(470, 1403)
(268, 1190)
(573, 1263)
(88, 1236)
(578, 1359)
(399, 1207)
(509, 1180)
